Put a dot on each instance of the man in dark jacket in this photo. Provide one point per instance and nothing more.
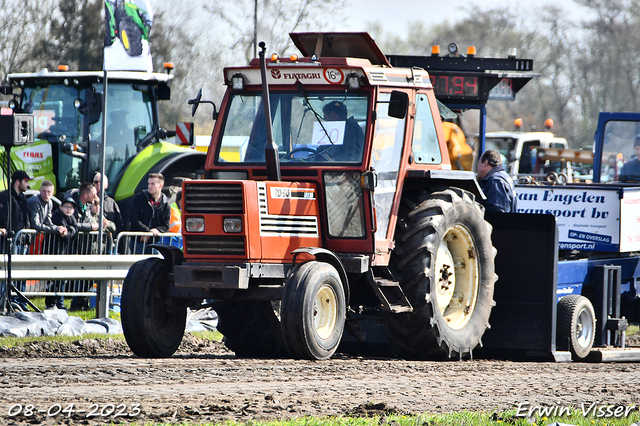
(41, 210)
(63, 217)
(19, 209)
(150, 210)
(496, 184)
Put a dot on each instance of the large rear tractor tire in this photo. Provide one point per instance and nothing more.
(576, 325)
(131, 37)
(444, 260)
(313, 311)
(153, 323)
(251, 328)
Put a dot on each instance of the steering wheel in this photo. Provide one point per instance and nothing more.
(310, 150)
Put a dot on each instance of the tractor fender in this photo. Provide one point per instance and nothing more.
(156, 157)
(169, 252)
(324, 255)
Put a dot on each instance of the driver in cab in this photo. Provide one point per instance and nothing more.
(631, 169)
(352, 143)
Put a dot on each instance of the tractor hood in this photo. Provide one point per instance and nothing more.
(340, 45)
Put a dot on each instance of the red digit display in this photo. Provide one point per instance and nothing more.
(455, 85)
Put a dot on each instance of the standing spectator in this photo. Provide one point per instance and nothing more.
(109, 228)
(19, 209)
(63, 217)
(83, 197)
(41, 210)
(150, 211)
(109, 205)
(496, 184)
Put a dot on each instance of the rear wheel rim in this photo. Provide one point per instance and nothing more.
(457, 277)
(325, 311)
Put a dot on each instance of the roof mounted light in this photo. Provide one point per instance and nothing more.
(435, 50)
(453, 49)
(168, 67)
(353, 81)
(237, 82)
(294, 58)
(518, 123)
(275, 57)
(471, 51)
(63, 67)
(548, 123)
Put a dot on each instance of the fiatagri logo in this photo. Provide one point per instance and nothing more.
(34, 154)
(330, 75)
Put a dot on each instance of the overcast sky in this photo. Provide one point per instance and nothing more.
(395, 14)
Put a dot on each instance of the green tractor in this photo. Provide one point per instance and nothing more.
(128, 22)
(67, 109)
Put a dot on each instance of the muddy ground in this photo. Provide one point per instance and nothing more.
(96, 379)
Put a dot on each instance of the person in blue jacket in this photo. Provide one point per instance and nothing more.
(496, 184)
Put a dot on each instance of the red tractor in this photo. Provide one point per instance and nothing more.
(328, 213)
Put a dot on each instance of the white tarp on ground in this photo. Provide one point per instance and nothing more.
(52, 322)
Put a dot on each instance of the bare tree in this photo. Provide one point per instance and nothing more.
(245, 21)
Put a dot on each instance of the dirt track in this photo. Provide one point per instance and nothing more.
(205, 382)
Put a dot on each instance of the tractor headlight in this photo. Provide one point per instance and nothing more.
(194, 224)
(232, 225)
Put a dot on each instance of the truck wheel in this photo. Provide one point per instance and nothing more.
(153, 323)
(131, 37)
(313, 311)
(444, 261)
(250, 328)
(576, 324)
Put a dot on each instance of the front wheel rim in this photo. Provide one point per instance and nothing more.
(325, 312)
(457, 277)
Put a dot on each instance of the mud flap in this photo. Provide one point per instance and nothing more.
(523, 322)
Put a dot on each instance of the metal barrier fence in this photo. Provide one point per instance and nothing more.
(45, 264)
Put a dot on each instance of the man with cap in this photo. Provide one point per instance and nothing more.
(63, 217)
(631, 169)
(19, 209)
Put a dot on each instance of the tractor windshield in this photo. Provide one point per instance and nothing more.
(58, 130)
(129, 120)
(308, 127)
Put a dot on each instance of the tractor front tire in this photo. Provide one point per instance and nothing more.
(251, 328)
(131, 37)
(576, 325)
(444, 260)
(152, 322)
(313, 311)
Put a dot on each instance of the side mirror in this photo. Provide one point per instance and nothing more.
(91, 107)
(197, 101)
(398, 104)
(164, 92)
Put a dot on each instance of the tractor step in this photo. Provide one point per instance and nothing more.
(391, 295)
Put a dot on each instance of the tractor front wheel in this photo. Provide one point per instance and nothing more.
(313, 311)
(153, 322)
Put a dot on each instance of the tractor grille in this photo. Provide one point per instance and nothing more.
(213, 199)
(215, 245)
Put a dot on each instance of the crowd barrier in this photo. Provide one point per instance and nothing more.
(45, 264)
